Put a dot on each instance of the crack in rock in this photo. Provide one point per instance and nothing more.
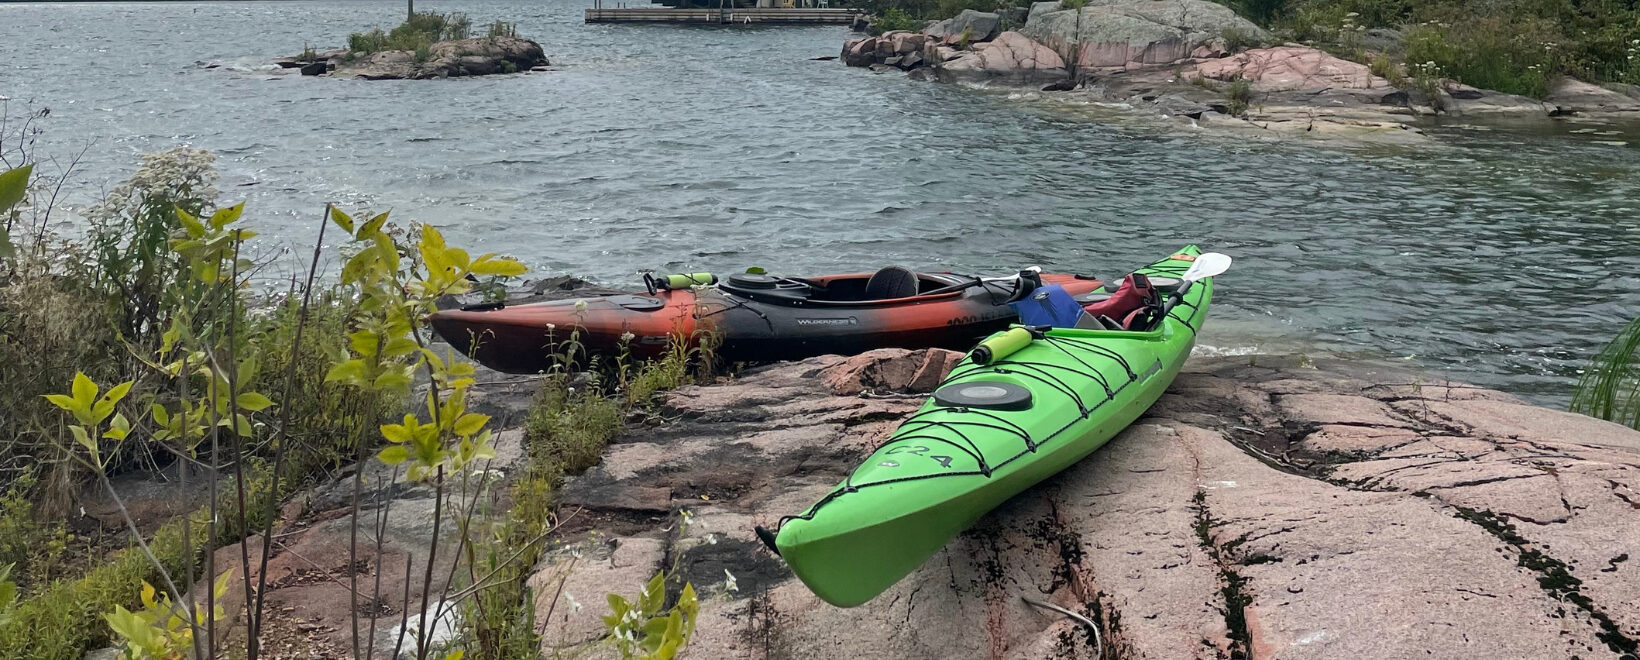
(1554, 577)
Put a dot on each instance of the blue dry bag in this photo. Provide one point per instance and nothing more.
(1049, 305)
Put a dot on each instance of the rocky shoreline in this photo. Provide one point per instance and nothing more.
(477, 56)
(1187, 60)
(1265, 507)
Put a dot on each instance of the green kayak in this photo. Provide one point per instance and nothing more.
(1058, 395)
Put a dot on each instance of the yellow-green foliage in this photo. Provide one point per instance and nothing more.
(645, 629)
(34, 545)
(161, 630)
(567, 430)
(329, 420)
(65, 620)
(570, 426)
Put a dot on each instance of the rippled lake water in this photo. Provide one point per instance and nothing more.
(1502, 257)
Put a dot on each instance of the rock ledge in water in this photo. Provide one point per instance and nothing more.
(478, 56)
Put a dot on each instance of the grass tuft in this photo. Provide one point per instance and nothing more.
(1610, 387)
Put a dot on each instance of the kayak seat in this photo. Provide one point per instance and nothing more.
(891, 282)
(1128, 303)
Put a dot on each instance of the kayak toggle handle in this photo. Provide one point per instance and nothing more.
(767, 537)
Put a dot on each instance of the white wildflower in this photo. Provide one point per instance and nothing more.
(580, 306)
(730, 585)
(574, 605)
(711, 539)
(627, 337)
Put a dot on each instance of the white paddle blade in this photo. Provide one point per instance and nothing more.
(1207, 265)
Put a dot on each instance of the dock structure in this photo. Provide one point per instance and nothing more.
(723, 16)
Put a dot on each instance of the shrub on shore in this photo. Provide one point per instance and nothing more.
(183, 373)
(893, 19)
(420, 32)
(1515, 46)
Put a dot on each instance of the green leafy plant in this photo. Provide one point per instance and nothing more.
(644, 629)
(1610, 386)
(162, 630)
(1517, 55)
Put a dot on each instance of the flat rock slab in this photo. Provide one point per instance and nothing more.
(1264, 508)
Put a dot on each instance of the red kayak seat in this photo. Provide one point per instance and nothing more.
(1129, 304)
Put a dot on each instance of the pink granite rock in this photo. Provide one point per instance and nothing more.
(1260, 510)
(1289, 68)
(1011, 59)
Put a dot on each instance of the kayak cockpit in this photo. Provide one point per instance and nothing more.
(891, 285)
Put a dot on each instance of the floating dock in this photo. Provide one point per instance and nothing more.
(725, 16)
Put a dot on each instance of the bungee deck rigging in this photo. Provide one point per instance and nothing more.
(947, 465)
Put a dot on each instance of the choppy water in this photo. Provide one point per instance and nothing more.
(1504, 258)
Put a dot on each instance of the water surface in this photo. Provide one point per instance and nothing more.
(1503, 258)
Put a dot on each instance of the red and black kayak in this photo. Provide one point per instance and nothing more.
(752, 317)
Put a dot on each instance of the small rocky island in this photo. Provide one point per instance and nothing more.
(1200, 61)
(427, 46)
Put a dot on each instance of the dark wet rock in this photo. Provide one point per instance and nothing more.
(901, 49)
(1265, 507)
(967, 27)
(314, 68)
(151, 498)
(1060, 86)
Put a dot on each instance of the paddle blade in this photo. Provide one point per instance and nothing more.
(1207, 265)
